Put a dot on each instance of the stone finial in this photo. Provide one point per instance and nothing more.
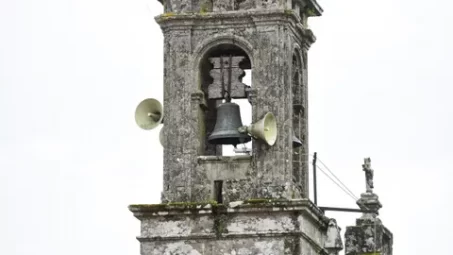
(369, 202)
(333, 242)
(369, 235)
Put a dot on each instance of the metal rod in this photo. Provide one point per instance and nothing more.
(229, 79)
(339, 209)
(315, 188)
(222, 78)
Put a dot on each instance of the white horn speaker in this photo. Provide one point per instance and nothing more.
(149, 114)
(265, 129)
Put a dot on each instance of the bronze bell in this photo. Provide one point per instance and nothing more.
(296, 142)
(226, 126)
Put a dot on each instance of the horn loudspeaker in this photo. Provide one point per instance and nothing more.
(149, 114)
(265, 129)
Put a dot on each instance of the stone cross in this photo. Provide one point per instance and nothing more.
(369, 173)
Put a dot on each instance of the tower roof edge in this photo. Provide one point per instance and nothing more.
(314, 9)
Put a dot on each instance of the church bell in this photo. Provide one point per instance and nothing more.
(226, 126)
(296, 141)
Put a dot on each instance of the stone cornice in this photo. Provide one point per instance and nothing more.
(194, 21)
(252, 206)
(315, 8)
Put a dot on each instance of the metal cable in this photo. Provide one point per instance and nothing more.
(352, 193)
(345, 189)
(336, 183)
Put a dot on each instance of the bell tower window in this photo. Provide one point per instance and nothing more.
(225, 73)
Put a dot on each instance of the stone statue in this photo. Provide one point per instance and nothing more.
(369, 173)
(333, 242)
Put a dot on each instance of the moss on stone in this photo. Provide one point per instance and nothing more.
(204, 8)
(168, 14)
(257, 201)
(254, 202)
(149, 206)
(289, 11)
(174, 205)
(220, 224)
(311, 12)
(265, 201)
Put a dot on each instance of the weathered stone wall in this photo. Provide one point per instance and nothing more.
(258, 228)
(269, 40)
(368, 237)
(222, 247)
(255, 246)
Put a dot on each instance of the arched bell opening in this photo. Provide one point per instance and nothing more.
(225, 75)
(300, 150)
(298, 109)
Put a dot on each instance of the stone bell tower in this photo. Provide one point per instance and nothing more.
(244, 204)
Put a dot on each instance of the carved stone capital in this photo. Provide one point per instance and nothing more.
(251, 95)
(199, 98)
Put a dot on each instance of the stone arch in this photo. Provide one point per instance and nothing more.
(297, 66)
(204, 47)
(299, 52)
(300, 157)
(216, 46)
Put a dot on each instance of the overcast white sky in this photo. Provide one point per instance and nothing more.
(72, 158)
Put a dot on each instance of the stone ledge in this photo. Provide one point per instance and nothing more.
(225, 158)
(225, 236)
(249, 206)
(208, 205)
